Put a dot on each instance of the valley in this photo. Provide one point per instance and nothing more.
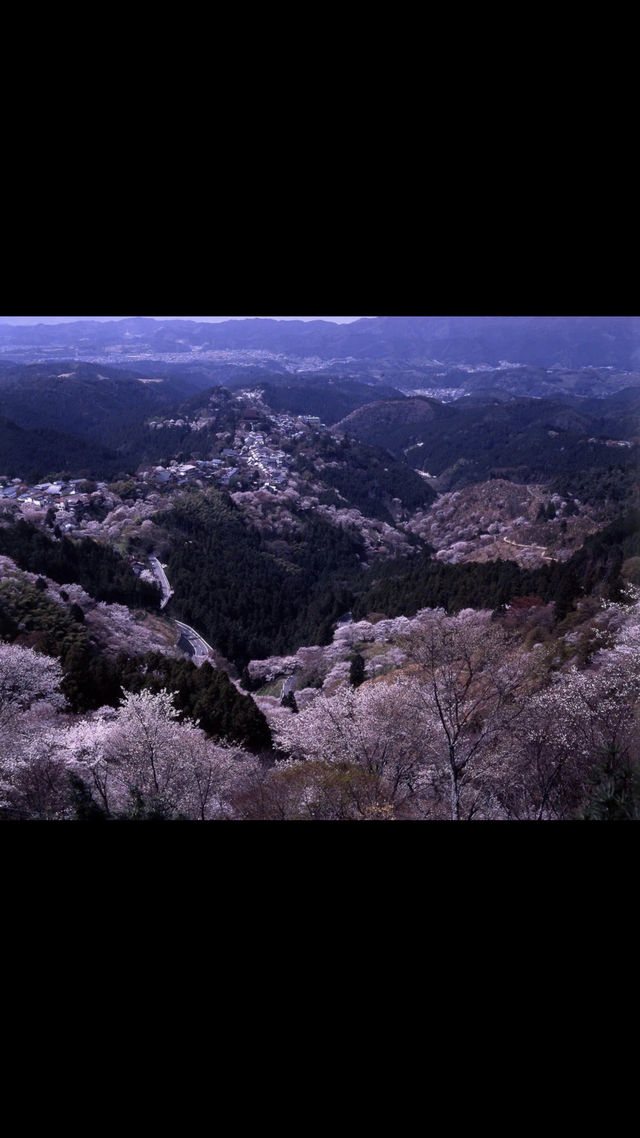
(292, 529)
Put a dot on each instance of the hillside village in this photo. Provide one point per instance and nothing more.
(248, 452)
(253, 459)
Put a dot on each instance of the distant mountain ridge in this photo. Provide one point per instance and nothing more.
(392, 341)
(80, 398)
(520, 439)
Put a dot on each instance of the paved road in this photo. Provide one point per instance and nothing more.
(196, 645)
(161, 578)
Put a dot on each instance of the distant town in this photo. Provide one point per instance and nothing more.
(76, 506)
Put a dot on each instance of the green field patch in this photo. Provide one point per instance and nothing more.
(274, 687)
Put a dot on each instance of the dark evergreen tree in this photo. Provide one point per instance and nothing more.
(615, 581)
(356, 671)
(614, 794)
(85, 809)
(151, 809)
(568, 591)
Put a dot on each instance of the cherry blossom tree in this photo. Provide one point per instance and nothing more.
(539, 771)
(580, 722)
(34, 781)
(467, 679)
(26, 678)
(373, 728)
(141, 754)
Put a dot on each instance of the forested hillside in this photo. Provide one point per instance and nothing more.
(403, 589)
(252, 593)
(396, 424)
(90, 401)
(94, 675)
(47, 453)
(366, 477)
(101, 570)
(523, 440)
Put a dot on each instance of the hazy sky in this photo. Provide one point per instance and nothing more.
(64, 319)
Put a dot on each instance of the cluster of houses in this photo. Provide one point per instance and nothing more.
(629, 443)
(269, 462)
(69, 502)
(252, 449)
(182, 473)
(129, 353)
(258, 453)
(199, 424)
(47, 493)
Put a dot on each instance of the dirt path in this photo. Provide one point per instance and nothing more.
(533, 548)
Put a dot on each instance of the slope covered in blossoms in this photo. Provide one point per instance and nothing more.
(463, 722)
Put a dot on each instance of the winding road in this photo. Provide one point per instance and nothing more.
(195, 645)
(161, 578)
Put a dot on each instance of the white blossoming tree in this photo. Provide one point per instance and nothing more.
(467, 682)
(582, 723)
(27, 678)
(374, 729)
(139, 759)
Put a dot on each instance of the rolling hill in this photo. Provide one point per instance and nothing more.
(393, 341)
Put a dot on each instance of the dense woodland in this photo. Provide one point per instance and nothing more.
(83, 420)
(404, 588)
(90, 401)
(616, 485)
(253, 597)
(40, 453)
(99, 568)
(523, 440)
(93, 677)
(366, 477)
(250, 594)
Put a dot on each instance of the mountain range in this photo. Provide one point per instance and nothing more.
(387, 341)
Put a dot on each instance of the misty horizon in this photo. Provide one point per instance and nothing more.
(29, 320)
